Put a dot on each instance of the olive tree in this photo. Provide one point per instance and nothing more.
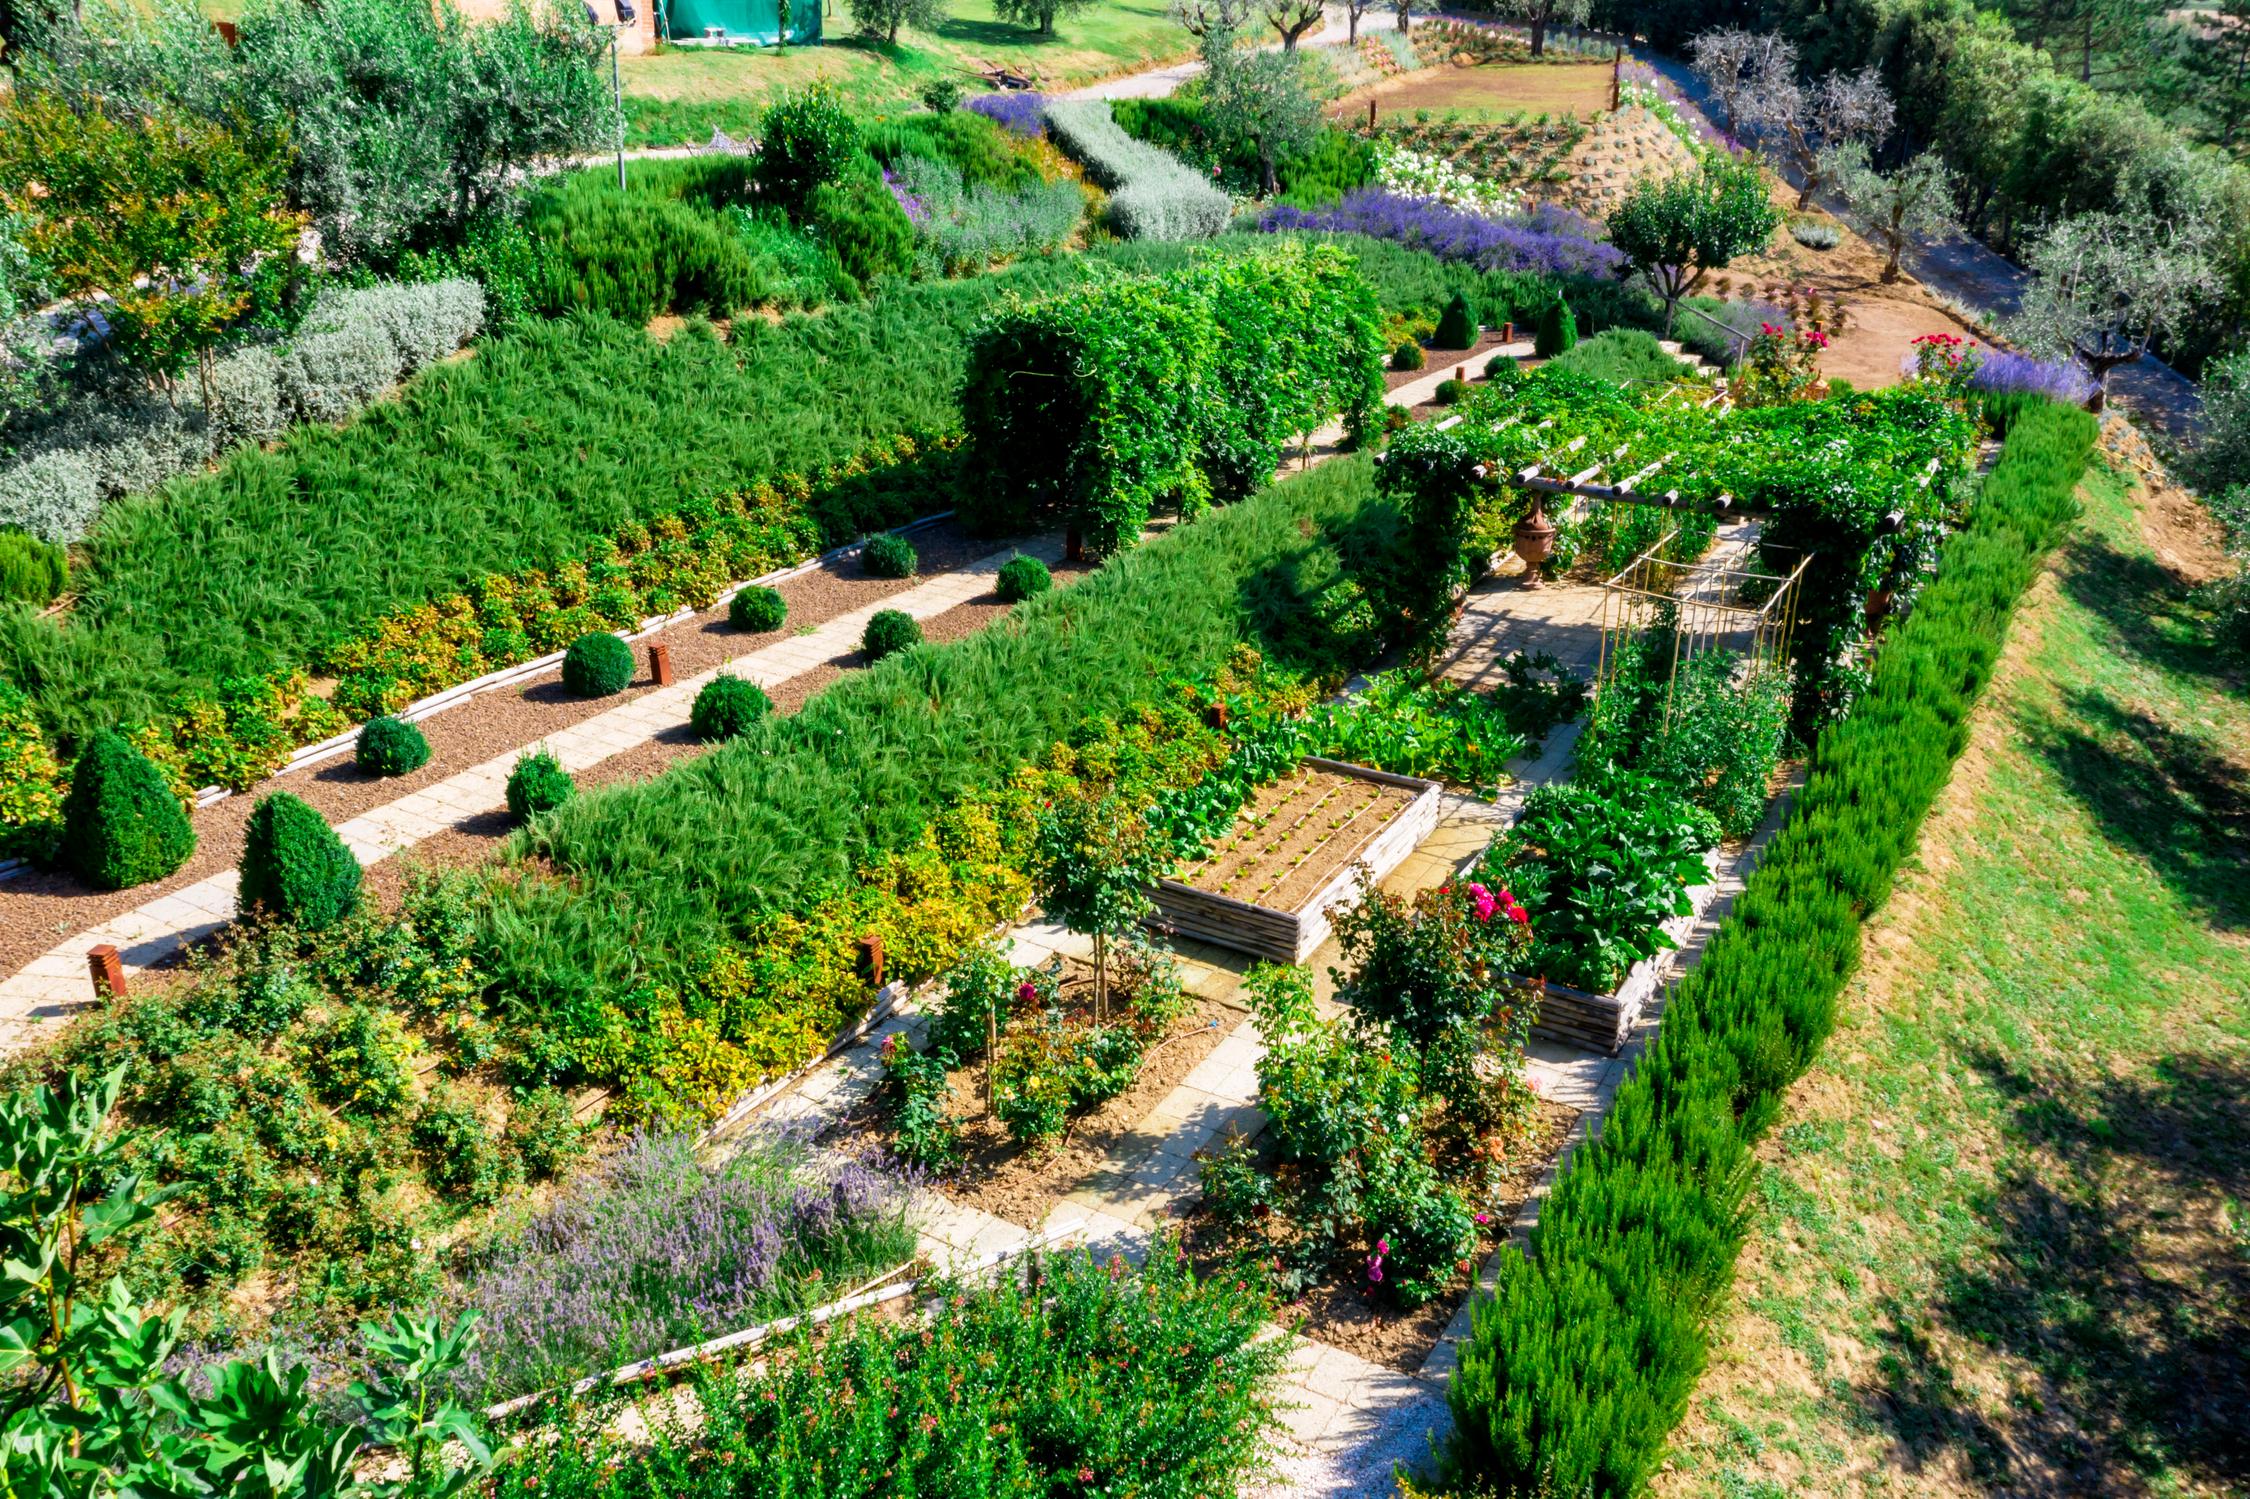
(1257, 102)
(1678, 230)
(1735, 64)
(1293, 18)
(2104, 286)
(1809, 122)
(1538, 15)
(1899, 208)
(1203, 18)
(882, 19)
(1039, 15)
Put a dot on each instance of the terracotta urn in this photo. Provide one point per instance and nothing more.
(1535, 541)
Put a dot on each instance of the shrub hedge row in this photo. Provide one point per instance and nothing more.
(1153, 194)
(1587, 1354)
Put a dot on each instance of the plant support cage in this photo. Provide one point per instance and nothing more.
(1719, 604)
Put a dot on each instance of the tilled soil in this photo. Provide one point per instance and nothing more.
(40, 908)
(1291, 857)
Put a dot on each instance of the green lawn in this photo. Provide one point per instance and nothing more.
(2003, 1228)
(682, 93)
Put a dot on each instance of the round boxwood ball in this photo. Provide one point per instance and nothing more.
(727, 707)
(889, 556)
(597, 665)
(538, 784)
(1407, 356)
(294, 867)
(1449, 391)
(391, 747)
(890, 630)
(1023, 577)
(758, 609)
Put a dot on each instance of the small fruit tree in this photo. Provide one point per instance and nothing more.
(1096, 861)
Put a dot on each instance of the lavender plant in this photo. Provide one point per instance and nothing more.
(663, 1248)
(2002, 372)
(1541, 244)
(969, 227)
(1023, 112)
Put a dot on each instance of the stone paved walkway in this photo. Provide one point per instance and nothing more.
(54, 985)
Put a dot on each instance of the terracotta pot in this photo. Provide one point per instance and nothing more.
(1535, 542)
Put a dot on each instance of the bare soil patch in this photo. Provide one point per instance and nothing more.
(1294, 836)
(1486, 90)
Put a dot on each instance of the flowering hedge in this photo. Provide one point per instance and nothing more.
(1545, 244)
(1094, 406)
(1069, 1376)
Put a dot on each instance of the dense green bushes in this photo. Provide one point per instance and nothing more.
(1558, 331)
(295, 868)
(597, 665)
(32, 571)
(1584, 1359)
(1626, 356)
(1066, 1368)
(889, 555)
(1335, 163)
(1093, 408)
(537, 783)
(757, 609)
(390, 746)
(655, 875)
(888, 632)
(727, 708)
(1022, 578)
(121, 824)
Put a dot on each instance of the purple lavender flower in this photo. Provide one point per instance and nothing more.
(2002, 372)
(916, 211)
(1537, 243)
(1020, 110)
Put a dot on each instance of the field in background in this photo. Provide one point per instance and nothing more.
(2003, 1237)
(681, 94)
(1490, 91)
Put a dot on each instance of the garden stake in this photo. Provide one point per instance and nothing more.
(660, 664)
(108, 970)
(871, 958)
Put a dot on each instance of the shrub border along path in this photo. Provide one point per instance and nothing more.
(51, 987)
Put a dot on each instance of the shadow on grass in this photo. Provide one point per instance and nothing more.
(2111, 1278)
(2146, 609)
(2168, 795)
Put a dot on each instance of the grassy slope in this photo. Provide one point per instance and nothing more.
(2004, 1226)
(681, 94)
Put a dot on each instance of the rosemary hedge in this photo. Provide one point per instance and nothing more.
(1587, 1354)
(1092, 407)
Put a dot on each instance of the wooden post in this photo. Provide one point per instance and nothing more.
(1508, 332)
(1216, 716)
(1616, 77)
(660, 664)
(1461, 373)
(1371, 114)
(991, 1050)
(871, 959)
(1074, 545)
(108, 970)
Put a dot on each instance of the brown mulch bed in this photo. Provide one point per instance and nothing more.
(1435, 360)
(1345, 1310)
(1298, 852)
(40, 908)
(1024, 1185)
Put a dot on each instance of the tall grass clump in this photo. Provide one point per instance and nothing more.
(1586, 1355)
(662, 1248)
(1152, 193)
(651, 875)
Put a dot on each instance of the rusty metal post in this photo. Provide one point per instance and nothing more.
(108, 969)
(660, 664)
(1216, 716)
(871, 959)
(1371, 114)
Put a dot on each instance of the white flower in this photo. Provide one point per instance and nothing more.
(1415, 174)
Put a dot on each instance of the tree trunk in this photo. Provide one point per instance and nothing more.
(1539, 35)
(1273, 183)
(1351, 28)
(1101, 978)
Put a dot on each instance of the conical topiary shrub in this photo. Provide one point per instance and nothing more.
(122, 826)
(295, 868)
(1457, 325)
(538, 784)
(1558, 331)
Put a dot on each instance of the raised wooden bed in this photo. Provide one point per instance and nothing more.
(1297, 849)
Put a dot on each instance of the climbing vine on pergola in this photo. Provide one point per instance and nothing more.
(1864, 484)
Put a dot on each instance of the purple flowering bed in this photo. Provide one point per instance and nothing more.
(660, 1249)
(2002, 372)
(1547, 242)
(1022, 111)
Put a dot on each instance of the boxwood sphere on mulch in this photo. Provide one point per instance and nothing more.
(890, 630)
(295, 868)
(889, 556)
(1023, 577)
(1407, 356)
(538, 784)
(727, 707)
(597, 665)
(391, 747)
(122, 826)
(758, 609)
(1450, 391)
